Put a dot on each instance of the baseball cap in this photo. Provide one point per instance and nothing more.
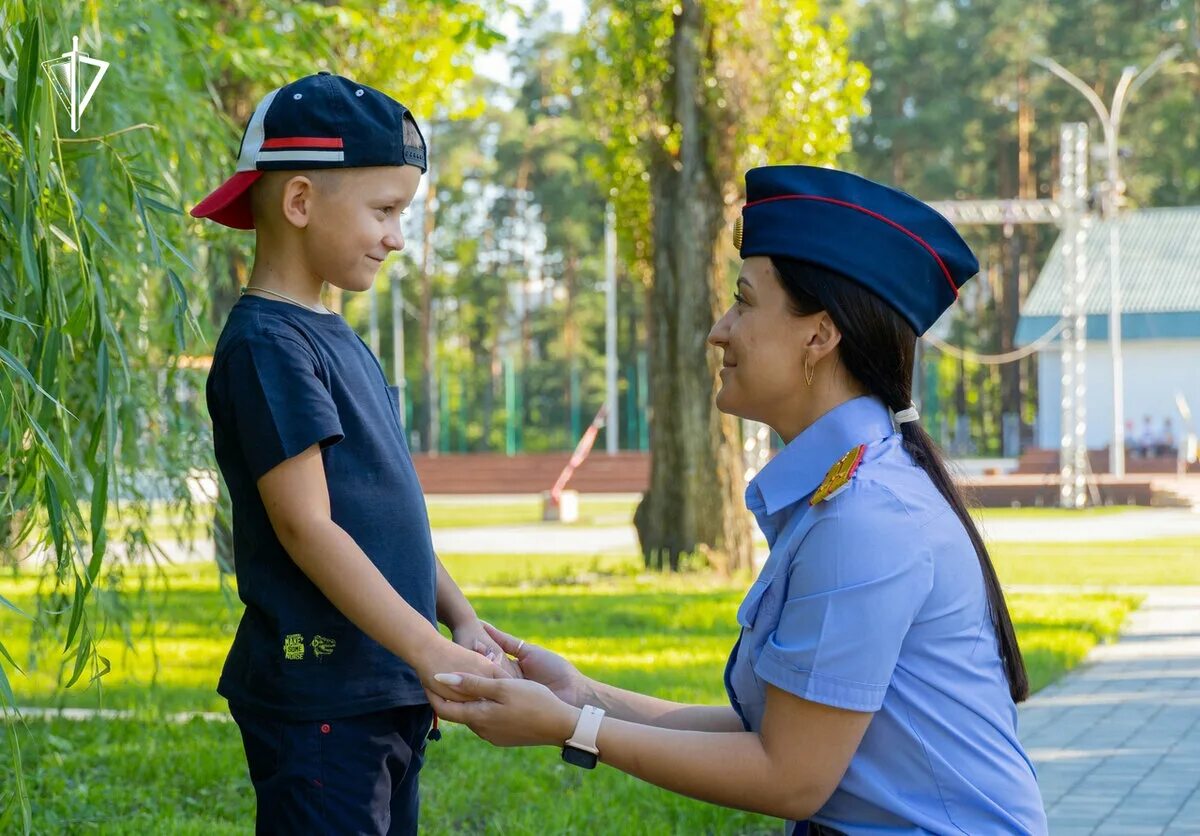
(319, 121)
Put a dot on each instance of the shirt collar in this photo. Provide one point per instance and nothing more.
(798, 469)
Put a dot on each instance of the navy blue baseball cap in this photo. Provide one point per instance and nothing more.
(886, 240)
(319, 121)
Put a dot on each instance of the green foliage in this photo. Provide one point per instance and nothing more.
(105, 282)
(779, 86)
(950, 85)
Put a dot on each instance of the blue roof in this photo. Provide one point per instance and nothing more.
(1160, 278)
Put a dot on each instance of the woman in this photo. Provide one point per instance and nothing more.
(873, 686)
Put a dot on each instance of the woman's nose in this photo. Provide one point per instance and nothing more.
(718, 334)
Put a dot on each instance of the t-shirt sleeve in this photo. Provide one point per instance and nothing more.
(854, 587)
(278, 401)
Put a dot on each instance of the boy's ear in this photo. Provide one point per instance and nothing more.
(297, 200)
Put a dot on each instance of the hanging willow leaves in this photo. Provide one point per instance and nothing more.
(106, 283)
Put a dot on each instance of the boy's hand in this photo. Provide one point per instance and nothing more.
(544, 666)
(473, 636)
(447, 657)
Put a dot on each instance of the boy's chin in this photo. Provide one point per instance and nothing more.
(355, 284)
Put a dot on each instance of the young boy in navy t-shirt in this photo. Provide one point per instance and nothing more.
(328, 672)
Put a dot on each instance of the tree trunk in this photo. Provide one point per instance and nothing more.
(695, 498)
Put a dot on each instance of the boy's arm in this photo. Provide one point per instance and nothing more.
(296, 498)
(456, 612)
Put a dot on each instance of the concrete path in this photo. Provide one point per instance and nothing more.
(1139, 524)
(1117, 741)
(553, 538)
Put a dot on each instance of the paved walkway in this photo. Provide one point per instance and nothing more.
(1135, 524)
(553, 538)
(1117, 741)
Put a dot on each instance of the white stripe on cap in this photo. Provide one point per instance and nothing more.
(252, 140)
(301, 156)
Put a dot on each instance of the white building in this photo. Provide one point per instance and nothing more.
(1160, 325)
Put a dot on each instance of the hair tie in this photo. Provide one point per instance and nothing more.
(904, 416)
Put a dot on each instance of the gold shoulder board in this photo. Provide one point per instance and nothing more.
(839, 475)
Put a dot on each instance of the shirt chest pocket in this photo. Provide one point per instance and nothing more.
(758, 607)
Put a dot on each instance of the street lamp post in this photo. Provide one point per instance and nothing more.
(1110, 121)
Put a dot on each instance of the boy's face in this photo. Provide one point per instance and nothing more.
(351, 221)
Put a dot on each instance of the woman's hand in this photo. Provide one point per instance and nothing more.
(505, 712)
(544, 666)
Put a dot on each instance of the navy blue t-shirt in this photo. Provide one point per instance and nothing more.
(285, 378)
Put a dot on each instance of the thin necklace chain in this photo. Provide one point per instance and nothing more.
(283, 296)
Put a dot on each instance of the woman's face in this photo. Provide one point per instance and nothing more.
(763, 345)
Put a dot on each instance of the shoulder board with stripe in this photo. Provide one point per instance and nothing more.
(839, 475)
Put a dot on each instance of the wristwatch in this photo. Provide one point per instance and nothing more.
(581, 749)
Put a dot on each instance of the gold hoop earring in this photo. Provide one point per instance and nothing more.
(808, 371)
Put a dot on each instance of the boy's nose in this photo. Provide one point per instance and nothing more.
(394, 241)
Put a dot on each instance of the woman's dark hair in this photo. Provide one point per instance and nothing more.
(877, 349)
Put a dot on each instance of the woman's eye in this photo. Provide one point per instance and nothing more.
(739, 299)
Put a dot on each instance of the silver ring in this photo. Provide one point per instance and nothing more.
(521, 645)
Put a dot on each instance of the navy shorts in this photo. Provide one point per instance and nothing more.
(345, 775)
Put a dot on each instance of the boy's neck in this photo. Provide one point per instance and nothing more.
(292, 280)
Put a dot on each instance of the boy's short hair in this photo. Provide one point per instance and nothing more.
(316, 122)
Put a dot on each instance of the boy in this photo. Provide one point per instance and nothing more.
(327, 675)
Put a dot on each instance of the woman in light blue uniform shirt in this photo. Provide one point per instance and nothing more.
(872, 688)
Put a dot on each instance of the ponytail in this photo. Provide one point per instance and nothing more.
(927, 456)
(878, 348)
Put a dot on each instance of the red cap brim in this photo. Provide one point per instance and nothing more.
(229, 204)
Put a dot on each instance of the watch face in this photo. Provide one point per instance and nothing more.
(578, 757)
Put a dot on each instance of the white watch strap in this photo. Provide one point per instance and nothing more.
(587, 729)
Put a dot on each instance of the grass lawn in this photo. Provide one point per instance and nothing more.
(1165, 560)
(1032, 512)
(665, 636)
(462, 512)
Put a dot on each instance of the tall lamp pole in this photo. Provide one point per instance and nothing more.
(612, 421)
(1110, 121)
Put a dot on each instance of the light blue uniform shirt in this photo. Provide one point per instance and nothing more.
(873, 600)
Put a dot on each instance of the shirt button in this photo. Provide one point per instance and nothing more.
(324, 728)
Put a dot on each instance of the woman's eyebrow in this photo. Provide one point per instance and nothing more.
(743, 281)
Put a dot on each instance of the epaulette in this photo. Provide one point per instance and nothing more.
(839, 475)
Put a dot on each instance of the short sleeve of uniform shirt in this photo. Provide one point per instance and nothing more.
(854, 586)
(279, 401)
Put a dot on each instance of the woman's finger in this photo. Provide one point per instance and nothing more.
(454, 712)
(508, 643)
(472, 686)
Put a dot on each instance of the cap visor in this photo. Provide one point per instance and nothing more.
(229, 204)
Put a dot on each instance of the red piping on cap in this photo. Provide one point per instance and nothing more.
(304, 142)
(876, 216)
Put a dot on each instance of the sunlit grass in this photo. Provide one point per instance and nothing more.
(1167, 560)
(665, 636)
(464, 512)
